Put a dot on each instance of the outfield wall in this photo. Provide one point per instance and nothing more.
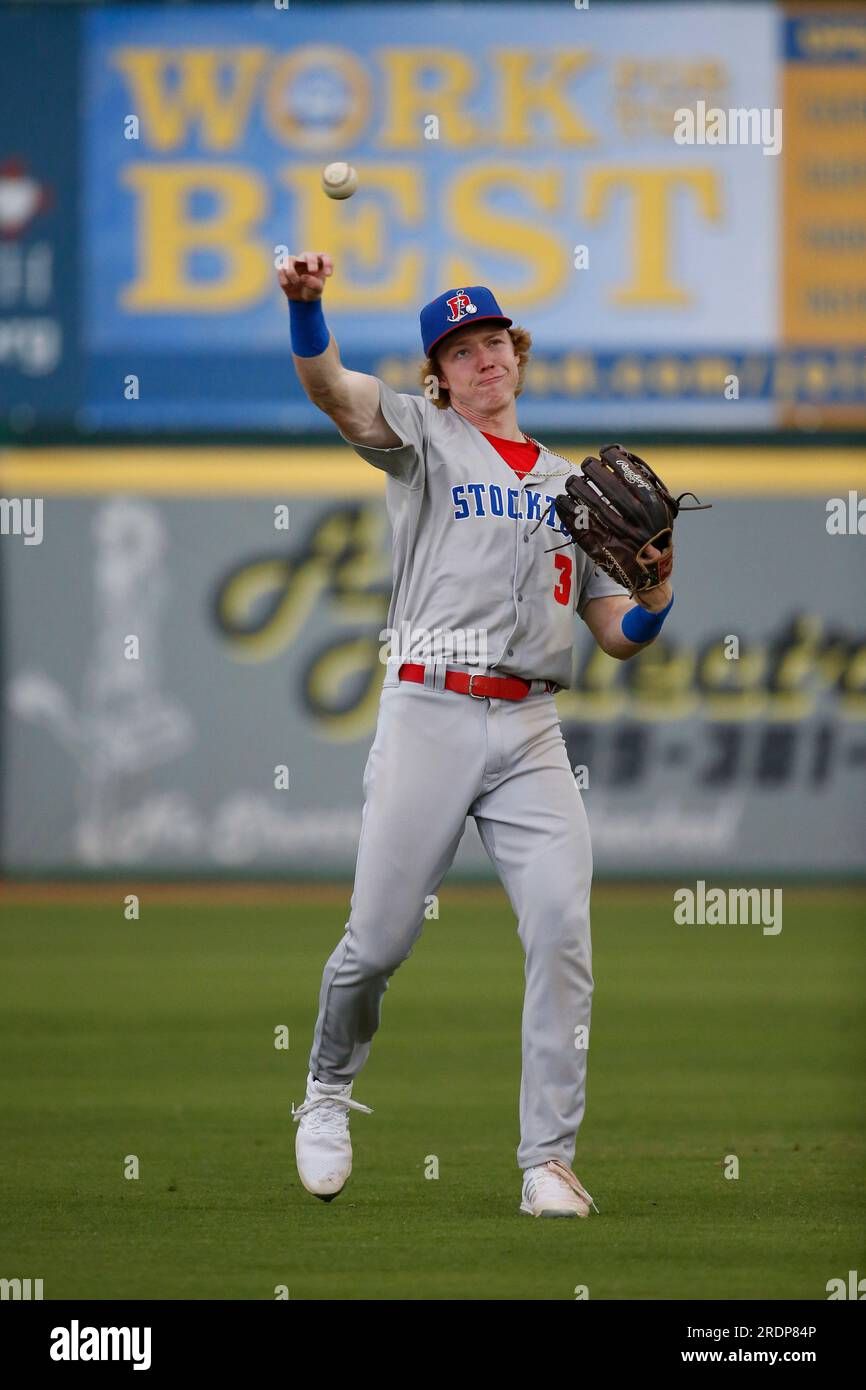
(260, 647)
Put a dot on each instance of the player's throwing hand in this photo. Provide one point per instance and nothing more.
(304, 278)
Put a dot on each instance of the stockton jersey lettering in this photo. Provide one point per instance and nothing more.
(476, 549)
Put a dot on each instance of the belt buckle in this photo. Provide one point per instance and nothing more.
(476, 675)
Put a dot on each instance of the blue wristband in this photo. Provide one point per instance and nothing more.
(310, 334)
(639, 625)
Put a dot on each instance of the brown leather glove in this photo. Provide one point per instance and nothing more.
(617, 507)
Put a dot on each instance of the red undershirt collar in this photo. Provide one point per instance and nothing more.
(520, 455)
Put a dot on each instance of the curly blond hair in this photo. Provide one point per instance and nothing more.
(521, 339)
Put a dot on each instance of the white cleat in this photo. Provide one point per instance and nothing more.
(552, 1189)
(323, 1148)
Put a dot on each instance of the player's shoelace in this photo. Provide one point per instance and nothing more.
(328, 1112)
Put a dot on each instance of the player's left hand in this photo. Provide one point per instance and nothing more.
(657, 598)
(620, 514)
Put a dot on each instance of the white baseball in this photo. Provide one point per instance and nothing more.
(339, 180)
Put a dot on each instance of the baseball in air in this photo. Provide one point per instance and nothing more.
(339, 180)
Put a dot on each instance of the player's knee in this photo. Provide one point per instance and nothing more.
(559, 932)
(379, 956)
(379, 943)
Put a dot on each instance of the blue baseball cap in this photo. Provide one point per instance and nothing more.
(458, 309)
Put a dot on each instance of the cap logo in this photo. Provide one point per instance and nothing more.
(459, 306)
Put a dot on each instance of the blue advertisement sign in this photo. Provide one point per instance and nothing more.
(537, 156)
(39, 262)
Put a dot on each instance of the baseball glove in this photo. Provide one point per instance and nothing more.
(615, 509)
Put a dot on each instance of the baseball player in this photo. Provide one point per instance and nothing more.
(478, 546)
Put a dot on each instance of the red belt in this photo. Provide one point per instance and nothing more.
(479, 687)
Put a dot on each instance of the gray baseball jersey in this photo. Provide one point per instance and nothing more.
(471, 542)
(473, 550)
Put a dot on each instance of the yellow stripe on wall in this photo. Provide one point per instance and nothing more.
(274, 472)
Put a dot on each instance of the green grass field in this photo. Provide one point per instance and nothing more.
(155, 1038)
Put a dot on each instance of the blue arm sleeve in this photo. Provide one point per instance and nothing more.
(638, 625)
(310, 334)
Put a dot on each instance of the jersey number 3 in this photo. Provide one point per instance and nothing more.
(562, 587)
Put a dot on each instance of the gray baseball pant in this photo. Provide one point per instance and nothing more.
(437, 757)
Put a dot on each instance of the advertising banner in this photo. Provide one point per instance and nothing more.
(39, 249)
(615, 174)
